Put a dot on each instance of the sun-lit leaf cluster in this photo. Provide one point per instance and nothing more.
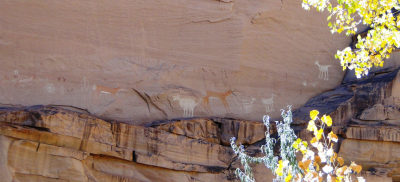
(324, 162)
(381, 40)
(317, 164)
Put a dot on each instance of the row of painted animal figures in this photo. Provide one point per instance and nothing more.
(188, 103)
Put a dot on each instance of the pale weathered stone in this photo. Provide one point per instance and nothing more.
(160, 148)
(380, 133)
(24, 157)
(364, 152)
(21, 177)
(60, 151)
(393, 113)
(5, 172)
(377, 112)
(104, 168)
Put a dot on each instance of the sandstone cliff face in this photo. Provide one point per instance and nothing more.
(52, 144)
(141, 61)
(192, 66)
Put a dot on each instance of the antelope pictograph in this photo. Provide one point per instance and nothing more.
(98, 89)
(187, 103)
(218, 95)
(25, 82)
(323, 71)
(248, 104)
(269, 103)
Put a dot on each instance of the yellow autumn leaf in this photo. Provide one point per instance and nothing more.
(288, 177)
(333, 156)
(327, 120)
(316, 165)
(333, 179)
(333, 137)
(296, 143)
(317, 159)
(340, 171)
(298, 177)
(311, 125)
(313, 140)
(318, 134)
(340, 160)
(314, 114)
(355, 167)
(306, 164)
(279, 170)
(305, 143)
(301, 166)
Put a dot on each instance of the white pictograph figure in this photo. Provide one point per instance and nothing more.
(15, 73)
(188, 105)
(50, 88)
(62, 90)
(25, 82)
(314, 84)
(248, 104)
(85, 84)
(323, 71)
(98, 90)
(269, 103)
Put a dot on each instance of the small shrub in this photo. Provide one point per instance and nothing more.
(325, 164)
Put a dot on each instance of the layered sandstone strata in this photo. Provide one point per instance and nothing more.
(52, 144)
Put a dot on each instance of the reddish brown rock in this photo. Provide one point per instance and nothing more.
(75, 54)
(203, 129)
(160, 148)
(64, 122)
(245, 132)
(219, 131)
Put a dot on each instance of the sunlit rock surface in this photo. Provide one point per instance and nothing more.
(43, 143)
(141, 61)
(154, 90)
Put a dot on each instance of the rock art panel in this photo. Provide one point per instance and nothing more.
(247, 104)
(199, 46)
(187, 104)
(269, 103)
(323, 71)
(217, 95)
